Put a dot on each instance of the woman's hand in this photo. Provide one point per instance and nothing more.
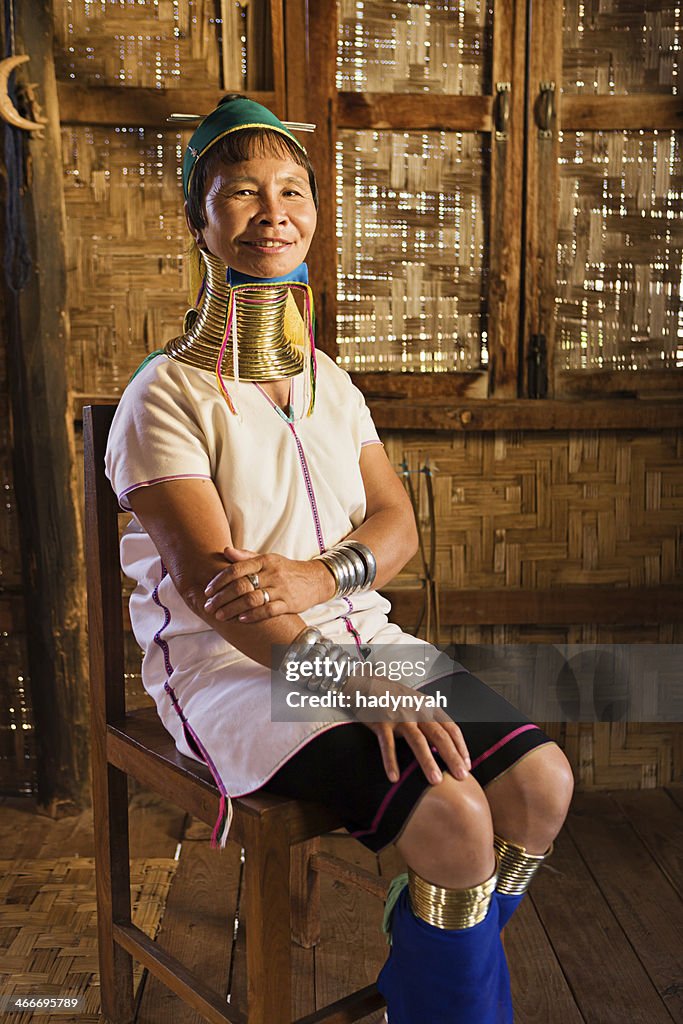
(424, 731)
(292, 586)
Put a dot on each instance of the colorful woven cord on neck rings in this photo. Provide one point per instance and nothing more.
(310, 366)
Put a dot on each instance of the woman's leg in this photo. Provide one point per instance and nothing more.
(529, 804)
(447, 962)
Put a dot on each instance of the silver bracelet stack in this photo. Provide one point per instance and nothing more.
(311, 644)
(353, 566)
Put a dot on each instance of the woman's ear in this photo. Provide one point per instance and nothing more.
(195, 232)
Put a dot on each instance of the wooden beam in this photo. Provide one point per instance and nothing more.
(602, 606)
(505, 197)
(414, 112)
(579, 113)
(524, 414)
(585, 383)
(141, 107)
(44, 451)
(541, 203)
(392, 410)
(422, 385)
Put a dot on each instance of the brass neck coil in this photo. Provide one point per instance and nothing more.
(263, 349)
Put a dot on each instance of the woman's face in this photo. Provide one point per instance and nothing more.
(260, 216)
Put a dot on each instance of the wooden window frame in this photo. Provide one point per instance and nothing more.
(454, 401)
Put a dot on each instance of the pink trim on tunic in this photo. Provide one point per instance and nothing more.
(388, 797)
(502, 742)
(158, 480)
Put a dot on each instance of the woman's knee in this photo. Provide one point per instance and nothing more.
(553, 784)
(448, 838)
(533, 796)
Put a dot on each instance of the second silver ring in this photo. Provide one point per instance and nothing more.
(253, 579)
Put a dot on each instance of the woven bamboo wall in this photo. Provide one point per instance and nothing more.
(553, 510)
(166, 44)
(620, 250)
(127, 235)
(411, 224)
(545, 510)
(623, 46)
(438, 46)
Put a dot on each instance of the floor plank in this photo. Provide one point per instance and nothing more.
(540, 993)
(303, 976)
(353, 947)
(155, 828)
(197, 925)
(658, 820)
(597, 942)
(646, 905)
(608, 981)
(675, 791)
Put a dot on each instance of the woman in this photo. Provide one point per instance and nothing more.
(265, 512)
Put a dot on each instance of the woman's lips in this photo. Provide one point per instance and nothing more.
(270, 246)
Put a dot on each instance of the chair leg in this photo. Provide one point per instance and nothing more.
(110, 819)
(267, 925)
(305, 886)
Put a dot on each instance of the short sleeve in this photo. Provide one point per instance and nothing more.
(156, 433)
(368, 430)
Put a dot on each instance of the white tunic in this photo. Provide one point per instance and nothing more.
(294, 488)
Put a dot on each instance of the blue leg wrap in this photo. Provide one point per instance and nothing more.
(442, 976)
(506, 906)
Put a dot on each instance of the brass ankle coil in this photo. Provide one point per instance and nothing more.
(516, 867)
(450, 908)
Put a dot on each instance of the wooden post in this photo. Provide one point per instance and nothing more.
(47, 500)
(310, 62)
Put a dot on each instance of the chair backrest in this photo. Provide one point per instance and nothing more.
(103, 573)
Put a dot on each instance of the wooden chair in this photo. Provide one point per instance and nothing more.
(280, 836)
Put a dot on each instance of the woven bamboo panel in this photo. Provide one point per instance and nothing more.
(127, 289)
(620, 249)
(440, 46)
(552, 509)
(163, 44)
(48, 928)
(412, 250)
(622, 46)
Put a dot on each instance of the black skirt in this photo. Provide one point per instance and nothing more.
(342, 768)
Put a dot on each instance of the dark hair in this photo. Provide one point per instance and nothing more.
(235, 148)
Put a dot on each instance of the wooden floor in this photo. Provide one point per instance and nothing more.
(600, 940)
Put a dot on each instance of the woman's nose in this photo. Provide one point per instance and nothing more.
(272, 209)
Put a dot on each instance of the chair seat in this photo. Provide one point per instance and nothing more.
(141, 746)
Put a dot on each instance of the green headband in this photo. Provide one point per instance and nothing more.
(229, 117)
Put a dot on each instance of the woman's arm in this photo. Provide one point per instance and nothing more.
(388, 530)
(188, 526)
(187, 523)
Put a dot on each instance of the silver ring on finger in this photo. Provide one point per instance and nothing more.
(266, 595)
(253, 579)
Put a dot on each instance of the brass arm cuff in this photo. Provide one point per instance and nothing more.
(450, 908)
(516, 867)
